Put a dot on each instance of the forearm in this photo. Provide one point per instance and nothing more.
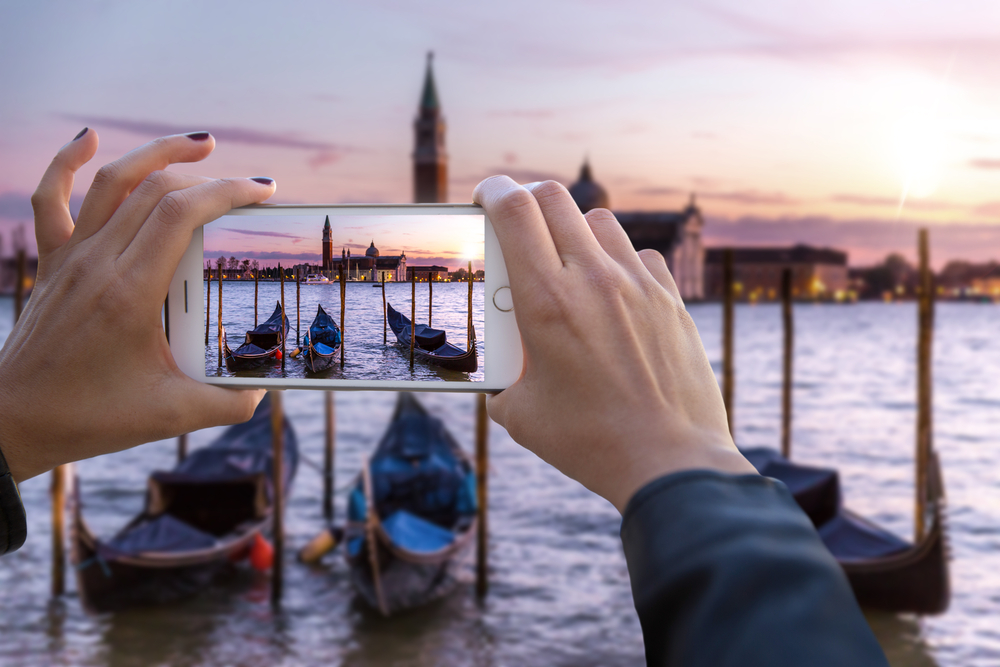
(726, 570)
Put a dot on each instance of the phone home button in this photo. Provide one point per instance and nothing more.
(502, 299)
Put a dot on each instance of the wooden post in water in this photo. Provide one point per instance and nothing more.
(58, 491)
(413, 313)
(343, 298)
(468, 329)
(208, 306)
(284, 317)
(925, 387)
(328, 454)
(19, 286)
(255, 284)
(482, 470)
(384, 313)
(298, 311)
(430, 300)
(727, 335)
(220, 317)
(786, 384)
(278, 484)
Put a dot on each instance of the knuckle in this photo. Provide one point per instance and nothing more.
(174, 206)
(157, 181)
(107, 176)
(601, 215)
(515, 203)
(650, 255)
(549, 190)
(39, 198)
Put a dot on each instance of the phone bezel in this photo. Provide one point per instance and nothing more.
(503, 357)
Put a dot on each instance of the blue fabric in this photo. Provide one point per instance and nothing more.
(323, 349)
(357, 508)
(849, 537)
(410, 532)
(164, 533)
(467, 496)
(354, 546)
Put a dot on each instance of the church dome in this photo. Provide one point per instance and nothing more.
(372, 250)
(587, 193)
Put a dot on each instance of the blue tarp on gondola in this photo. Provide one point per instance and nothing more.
(414, 534)
(162, 534)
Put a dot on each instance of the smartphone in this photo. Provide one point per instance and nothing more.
(379, 297)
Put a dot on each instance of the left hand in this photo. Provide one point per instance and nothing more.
(87, 369)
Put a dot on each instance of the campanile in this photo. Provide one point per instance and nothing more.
(430, 162)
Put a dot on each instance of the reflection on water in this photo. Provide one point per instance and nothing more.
(366, 357)
(559, 587)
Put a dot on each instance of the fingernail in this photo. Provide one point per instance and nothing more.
(263, 180)
(197, 136)
(82, 132)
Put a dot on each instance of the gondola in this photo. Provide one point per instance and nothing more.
(261, 343)
(198, 519)
(411, 514)
(321, 343)
(432, 346)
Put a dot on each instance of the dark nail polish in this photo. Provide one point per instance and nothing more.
(263, 180)
(198, 136)
(82, 132)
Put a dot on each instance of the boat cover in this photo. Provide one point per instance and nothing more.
(323, 332)
(162, 534)
(414, 534)
(265, 336)
(427, 338)
(851, 538)
(816, 490)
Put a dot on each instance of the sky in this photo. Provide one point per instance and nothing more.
(846, 124)
(442, 240)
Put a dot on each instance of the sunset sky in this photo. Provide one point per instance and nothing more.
(844, 124)
(444, 240)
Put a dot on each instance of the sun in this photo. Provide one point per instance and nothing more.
(920, 154)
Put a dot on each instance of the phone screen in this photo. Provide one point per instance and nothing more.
(347, 297)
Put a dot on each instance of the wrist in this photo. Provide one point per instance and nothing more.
(13, 439)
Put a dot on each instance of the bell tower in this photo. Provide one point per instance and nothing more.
(430, 162)
(327, 247)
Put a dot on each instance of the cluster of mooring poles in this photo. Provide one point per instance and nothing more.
(58, 486)
(925, 336)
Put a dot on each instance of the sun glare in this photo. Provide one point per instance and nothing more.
(920, 154)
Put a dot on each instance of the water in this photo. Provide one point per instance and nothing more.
(366, 357)
(559, 587)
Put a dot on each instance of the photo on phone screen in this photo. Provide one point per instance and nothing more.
(352, 286)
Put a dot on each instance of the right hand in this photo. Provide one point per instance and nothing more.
(616, 388)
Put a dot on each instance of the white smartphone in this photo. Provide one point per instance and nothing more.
(408, 297)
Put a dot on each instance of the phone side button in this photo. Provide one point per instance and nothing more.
(502, 299)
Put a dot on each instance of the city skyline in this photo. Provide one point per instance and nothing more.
(800, 126)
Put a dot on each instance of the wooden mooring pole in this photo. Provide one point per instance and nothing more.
(789, 347)
(343, 304)
(727, 335)
(208, 305)
(430, 300)
(925, 387)
(413, 313)
(482, 470)
(298, 311)
(468, 329)
(58, 491)
(328, 455)
(220, 317)
(256, 274)
(284, 318)
(384, 313)
(278, 484)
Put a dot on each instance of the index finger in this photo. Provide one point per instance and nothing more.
(525, 240)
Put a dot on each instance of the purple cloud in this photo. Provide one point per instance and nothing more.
(985, 163)
(253, 232)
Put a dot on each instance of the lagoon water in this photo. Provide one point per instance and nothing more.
(366, 357)
(559, 586)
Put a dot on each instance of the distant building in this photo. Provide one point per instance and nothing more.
(674, 234)
(372, 266)
(427, 273)
(430, 162)
(817, 273)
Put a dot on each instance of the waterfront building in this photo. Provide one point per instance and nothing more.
(677, 235)
(817, 273)
(427, 273)
(372, 266)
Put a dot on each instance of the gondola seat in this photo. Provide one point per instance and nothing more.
(415, 534)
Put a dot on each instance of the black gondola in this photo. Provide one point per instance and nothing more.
(432, 346)
(260, 344)
(321, 343)
(198, 519)
(411, 514)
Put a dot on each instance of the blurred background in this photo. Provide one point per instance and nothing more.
(819, 135)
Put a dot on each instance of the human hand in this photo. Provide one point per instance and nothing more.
(87, 369)
(616, 389)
